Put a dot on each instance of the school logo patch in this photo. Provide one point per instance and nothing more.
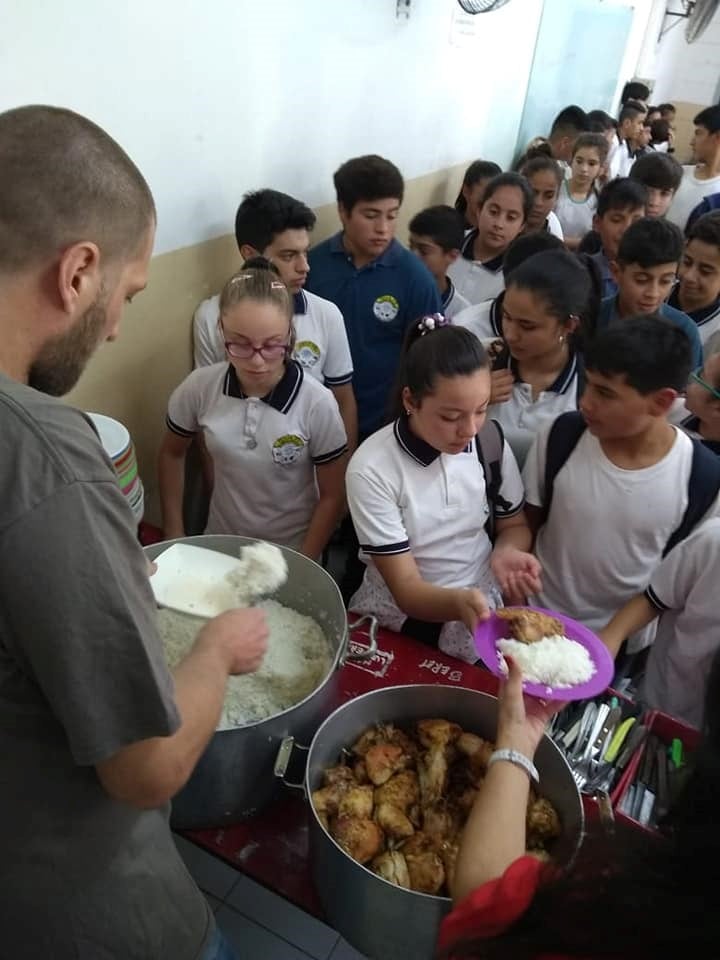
(307, 353)
(287, 449)
(386, 308)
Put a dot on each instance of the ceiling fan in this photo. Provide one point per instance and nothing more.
(483, 6)
(697, 13)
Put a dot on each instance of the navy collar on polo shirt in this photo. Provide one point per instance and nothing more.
(692, 423)
(466, 250)
(414, 446)
(496, 312)
(300, 304)
(387, 258)
(564, 379)
(448, 295)
(701, 316)
(281, 397)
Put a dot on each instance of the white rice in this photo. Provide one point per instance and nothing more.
(554, 661)
(261, 571)
(298, 658)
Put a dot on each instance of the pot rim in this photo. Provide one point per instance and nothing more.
(326, 834)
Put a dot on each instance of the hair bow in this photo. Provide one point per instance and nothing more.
(433, 321)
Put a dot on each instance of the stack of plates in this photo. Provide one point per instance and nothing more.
(119, 447)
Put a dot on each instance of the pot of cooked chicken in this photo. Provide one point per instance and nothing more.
(391, 778)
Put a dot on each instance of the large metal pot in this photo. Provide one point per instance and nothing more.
(381, 920)
(234, 778)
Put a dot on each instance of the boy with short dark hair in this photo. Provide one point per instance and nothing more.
(645, 271)
(276, 226)
(379, 286)
(698, 292)
(630, 125)
(661, 174)
(436, 236)
(667, 112)
(566, 127)
(701, 180)
(635, 90)
(612, 488)
(621, 202)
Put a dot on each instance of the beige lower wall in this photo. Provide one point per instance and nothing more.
(132, 378)
(684, 128)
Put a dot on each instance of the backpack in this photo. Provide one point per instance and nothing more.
(703, 484)
(489, 444)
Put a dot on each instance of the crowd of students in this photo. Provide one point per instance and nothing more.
(524, 383)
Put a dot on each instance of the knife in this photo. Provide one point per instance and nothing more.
(618, 739)
(597, 731)
(602, 741)
(633, 742)
(588, 718)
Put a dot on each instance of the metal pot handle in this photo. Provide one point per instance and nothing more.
(368, 652)
(282, 760)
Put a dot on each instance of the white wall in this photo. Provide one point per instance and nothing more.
(688, 72)
(217, 97)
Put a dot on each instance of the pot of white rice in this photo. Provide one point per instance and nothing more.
(291, 694)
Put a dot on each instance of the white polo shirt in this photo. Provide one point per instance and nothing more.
(607, 527)
(689, 194)
(321, 343)
(684, 589)
(476, 281)
(452, 301)
(264, 450)
(484, 319)
(521, 417)
(575, 216)
(405, 496)
(553, 226)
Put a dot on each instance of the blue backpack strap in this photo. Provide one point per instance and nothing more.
(562, 439)
(703, 489)
(490, 444)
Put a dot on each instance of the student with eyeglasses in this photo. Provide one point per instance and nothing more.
(274, 435)
(702, 399)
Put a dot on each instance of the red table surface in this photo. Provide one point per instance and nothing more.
(272, 847)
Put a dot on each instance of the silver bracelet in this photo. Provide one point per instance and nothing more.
(519, 759)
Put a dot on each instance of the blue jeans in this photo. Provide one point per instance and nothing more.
(219, 948)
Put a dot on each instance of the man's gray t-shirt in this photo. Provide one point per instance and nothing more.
(82, 876)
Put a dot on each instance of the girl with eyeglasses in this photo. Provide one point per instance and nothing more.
(275, 436)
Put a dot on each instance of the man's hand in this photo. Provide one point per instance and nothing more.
(239, 637)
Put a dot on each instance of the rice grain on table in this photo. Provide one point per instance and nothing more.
(298, 659)
(554, 661)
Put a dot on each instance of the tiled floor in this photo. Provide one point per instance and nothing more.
(260, 924)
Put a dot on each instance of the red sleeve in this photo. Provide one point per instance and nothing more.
(493, 907)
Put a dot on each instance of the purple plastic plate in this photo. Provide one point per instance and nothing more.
(490, 631)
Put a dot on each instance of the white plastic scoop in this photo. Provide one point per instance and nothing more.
(205, 583)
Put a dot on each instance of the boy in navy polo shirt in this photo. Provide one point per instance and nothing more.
(379, 286)
(436, 236)
(698, 293)
(621, 202)
(645, 271)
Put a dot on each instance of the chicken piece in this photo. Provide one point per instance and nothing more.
(360, 839)
(383, 760)
(440, 821)
(327, 799)
(391, 866)
(393, 821)
(475, 747)
(542, 823)
(437, 733)
(465, 800)
(367, 740)
(448, 854)
(401, 791)
(360, 771)
(529, 626)
(357, 802)
(415, 815)
(433, 775)
(340, 774)
(425, 868)
(383, 733)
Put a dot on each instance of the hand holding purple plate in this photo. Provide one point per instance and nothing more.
(490, 631)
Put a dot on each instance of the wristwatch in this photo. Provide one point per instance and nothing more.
(519, 759)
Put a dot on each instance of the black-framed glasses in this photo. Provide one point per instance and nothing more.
(246, 351)
(695, 376)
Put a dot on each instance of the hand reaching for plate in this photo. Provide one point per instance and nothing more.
(517, 574)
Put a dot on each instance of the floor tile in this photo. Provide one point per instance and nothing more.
(252, 941)
(210, 873)
(343, 951)
(283, 918)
